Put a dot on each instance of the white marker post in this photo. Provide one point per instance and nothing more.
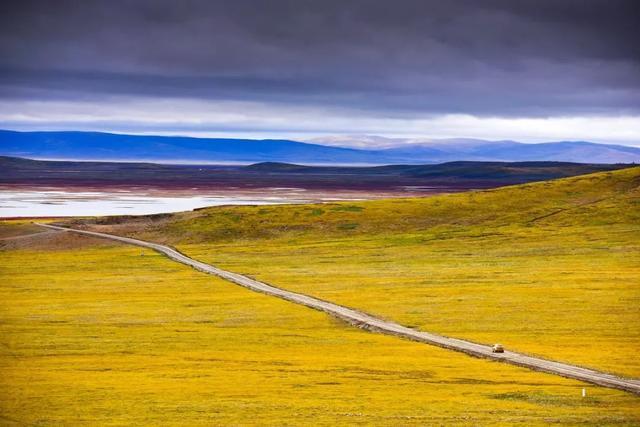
(584, 392)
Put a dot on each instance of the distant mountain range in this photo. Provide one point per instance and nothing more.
(175, 149)
(446, 150)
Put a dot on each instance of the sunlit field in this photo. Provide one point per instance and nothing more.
(97, 333)
(319, 213)
(551, 269)
(114, 335)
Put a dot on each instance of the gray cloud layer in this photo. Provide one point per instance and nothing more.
(395, 58)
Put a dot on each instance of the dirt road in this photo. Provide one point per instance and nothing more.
(371, 323)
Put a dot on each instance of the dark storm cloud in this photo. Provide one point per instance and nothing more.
(505, 58)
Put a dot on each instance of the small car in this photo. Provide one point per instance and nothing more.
(497, 348)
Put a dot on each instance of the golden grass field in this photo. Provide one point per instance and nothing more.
(94, 333)
(551, 269)
(107, 336)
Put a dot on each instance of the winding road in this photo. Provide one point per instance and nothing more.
(374, 324)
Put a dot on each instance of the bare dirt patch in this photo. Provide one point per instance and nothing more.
(52, 241)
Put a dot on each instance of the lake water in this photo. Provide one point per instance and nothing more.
(94, 203)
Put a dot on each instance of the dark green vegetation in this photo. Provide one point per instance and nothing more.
(451, 172)
(451, 176)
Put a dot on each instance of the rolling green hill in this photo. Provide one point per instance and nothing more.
(601, 198)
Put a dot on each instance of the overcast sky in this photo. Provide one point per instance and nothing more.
(527, 70)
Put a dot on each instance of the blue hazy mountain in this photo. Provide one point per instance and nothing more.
(107, 146)
(119, 147)
(511, 151)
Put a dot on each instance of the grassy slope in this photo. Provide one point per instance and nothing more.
(105, 336)
(589, 197)
(549, 268)
(10, 229)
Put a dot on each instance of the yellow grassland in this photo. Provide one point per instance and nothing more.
(551, 269)
(108, 336)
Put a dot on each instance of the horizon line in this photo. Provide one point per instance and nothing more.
(425, 139)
